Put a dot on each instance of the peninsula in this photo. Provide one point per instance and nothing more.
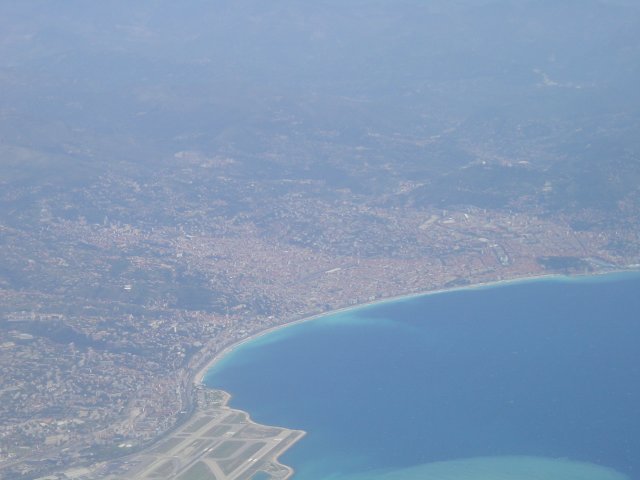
(216, 443)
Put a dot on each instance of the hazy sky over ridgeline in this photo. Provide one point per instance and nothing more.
(165, 76)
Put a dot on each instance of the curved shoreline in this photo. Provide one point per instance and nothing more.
(200, 375)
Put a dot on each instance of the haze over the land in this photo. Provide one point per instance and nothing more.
(177, 175)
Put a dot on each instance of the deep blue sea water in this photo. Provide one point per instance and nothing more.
(535, 379)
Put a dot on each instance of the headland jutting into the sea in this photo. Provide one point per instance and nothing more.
(217, 442)
(209, 412)
(136, 400)
(201, 373)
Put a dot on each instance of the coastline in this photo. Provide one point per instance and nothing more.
(201, 373)
(224, 442)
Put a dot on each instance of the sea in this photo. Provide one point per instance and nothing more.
(531, 379)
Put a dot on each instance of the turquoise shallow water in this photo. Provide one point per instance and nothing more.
(531, 380)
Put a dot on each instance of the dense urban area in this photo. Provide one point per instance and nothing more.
(110, 373)
(163, 197)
